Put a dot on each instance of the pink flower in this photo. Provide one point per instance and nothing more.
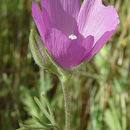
(72, 32)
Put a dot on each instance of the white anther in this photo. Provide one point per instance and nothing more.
(72, 37)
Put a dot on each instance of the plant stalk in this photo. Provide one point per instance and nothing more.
(67, 104)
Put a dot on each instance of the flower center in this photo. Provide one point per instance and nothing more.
(72, 37)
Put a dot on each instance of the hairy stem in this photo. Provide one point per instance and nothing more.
(67, 104)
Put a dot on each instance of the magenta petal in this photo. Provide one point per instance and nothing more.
(68, 53)
(58, 17)
(99, 44)
(40, 19)
(72, 7)
(93, 24)
(99, 21)
(95, 19)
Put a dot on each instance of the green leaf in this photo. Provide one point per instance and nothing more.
(42, 108)
(43, 124)
(110, 121)
(24, 126)
(44, 101)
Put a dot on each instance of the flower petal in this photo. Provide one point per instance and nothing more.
(95, 19)
(99, 21)
(58, 17)
(72, 7)
(99, 44)
(68, 53)
(40, 19)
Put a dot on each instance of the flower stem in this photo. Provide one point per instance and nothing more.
(67, 104)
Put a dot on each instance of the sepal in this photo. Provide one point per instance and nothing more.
(43, 58)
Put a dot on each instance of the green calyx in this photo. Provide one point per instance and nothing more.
(43, 59)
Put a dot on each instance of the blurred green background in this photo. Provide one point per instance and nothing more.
(100, 90)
